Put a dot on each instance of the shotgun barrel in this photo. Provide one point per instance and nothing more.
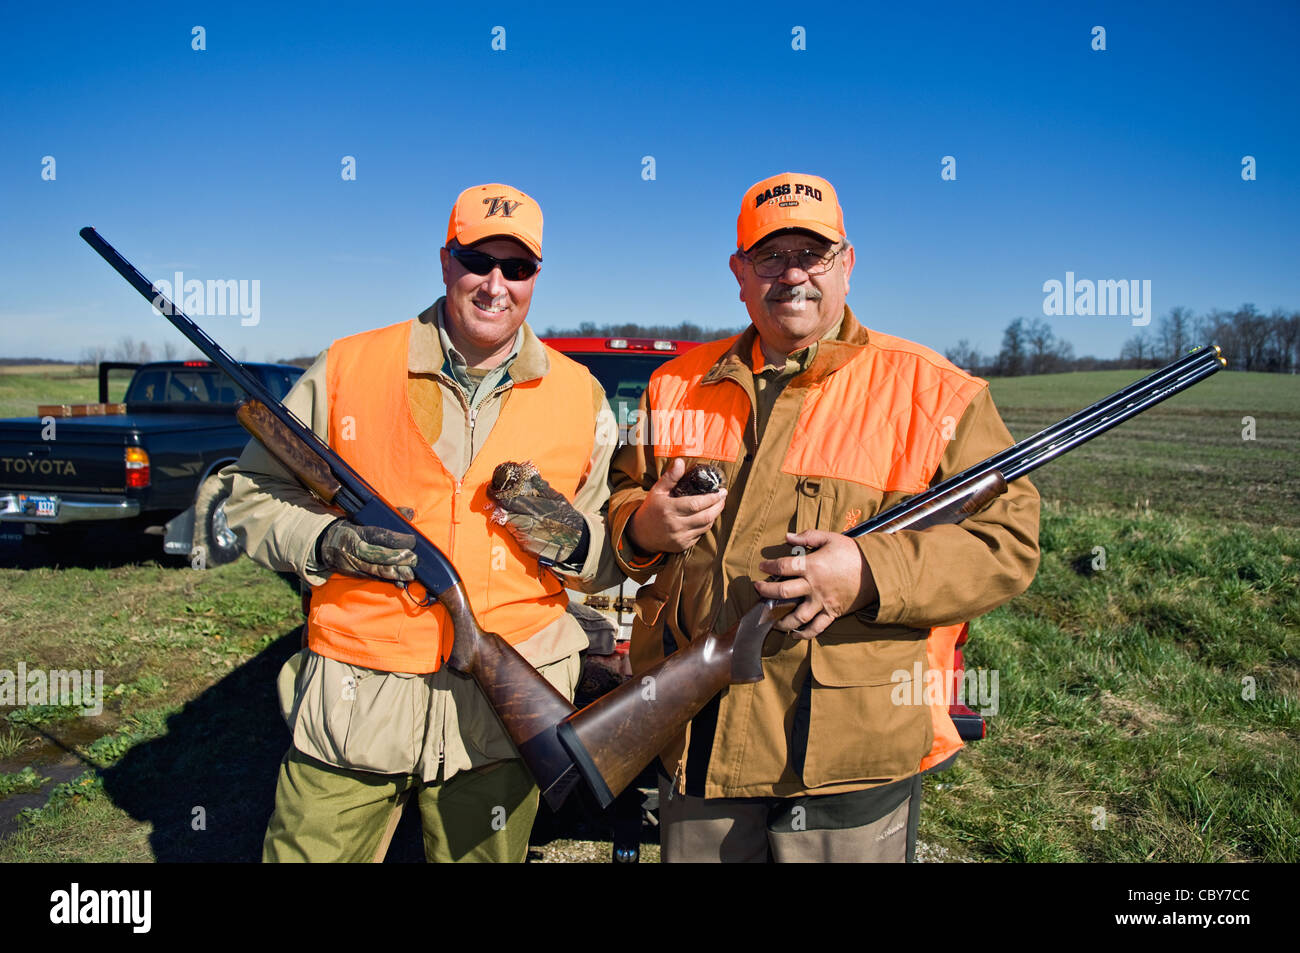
(617, 735)
(1077, 429)
(528, 706)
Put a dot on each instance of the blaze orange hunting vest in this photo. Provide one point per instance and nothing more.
(879, 420)
(549, 421)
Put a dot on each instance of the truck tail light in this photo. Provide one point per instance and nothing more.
(137, 467)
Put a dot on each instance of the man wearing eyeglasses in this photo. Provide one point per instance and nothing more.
(817, 423)
(425, 410)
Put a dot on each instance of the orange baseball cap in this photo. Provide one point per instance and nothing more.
(485, 211)
(789, 200)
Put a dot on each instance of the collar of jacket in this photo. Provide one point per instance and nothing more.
(426, 355)
(831, 355)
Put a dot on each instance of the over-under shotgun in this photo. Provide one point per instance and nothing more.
(617, 735)
(527, 704)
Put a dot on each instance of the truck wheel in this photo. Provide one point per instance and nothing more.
(211, 532)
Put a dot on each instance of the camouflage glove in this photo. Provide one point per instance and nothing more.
(542, 521)
(366, 551)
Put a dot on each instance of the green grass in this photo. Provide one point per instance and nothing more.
(20, 393)
(156, 631)
(12, 742)
(1121, 697)
(43, 714)
(23, 388)
(1184, 457)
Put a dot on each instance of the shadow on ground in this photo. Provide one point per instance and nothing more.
(222, 752)
(96, 547)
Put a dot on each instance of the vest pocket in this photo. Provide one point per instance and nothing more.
(866, 720)
(814, 504)
(360, 609)
(647, 642)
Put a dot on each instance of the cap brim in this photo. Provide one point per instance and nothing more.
(472, 236)
(818, 228)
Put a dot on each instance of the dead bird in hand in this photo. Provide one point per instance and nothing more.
(539, 517)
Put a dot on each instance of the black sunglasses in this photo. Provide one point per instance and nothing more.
(479, 263)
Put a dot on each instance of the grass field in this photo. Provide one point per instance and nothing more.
(1186, 456)
(1148, 681)
(23, 386)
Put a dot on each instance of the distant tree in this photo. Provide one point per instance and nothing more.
(128, 349)
(91, 358)
(1251, 341)
(168, 350)
(1011, 359)
(964, 356)
(306, 360)
(1175, 334)
(1138, 351)
(1045, 352)
(1252, 336)
(1216, 327)
(686, 331)
(1287, 331)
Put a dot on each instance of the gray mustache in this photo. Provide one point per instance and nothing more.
(810, 294)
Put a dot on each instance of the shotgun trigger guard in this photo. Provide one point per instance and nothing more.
(428, 600)
(747, 649)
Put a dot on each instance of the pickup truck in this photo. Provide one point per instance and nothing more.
(147, 463)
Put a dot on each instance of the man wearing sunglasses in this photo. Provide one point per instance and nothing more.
(817, 423)
(425, 410)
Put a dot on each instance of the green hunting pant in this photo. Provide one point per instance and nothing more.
(326, 813)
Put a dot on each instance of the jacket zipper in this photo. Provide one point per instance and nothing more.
(470, 414)
(455, 518)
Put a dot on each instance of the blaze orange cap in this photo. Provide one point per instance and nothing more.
(789, 200)
(487, 211)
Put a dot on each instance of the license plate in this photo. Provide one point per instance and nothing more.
(42, 507)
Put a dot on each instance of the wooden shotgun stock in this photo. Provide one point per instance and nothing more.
(616, 736)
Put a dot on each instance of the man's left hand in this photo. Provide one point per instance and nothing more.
(832, 578)
(539, 517)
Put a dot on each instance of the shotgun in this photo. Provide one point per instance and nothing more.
(528, 706)
(616, 736)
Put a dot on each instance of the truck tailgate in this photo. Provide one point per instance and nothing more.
(85, 456)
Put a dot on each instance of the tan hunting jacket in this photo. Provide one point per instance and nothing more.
(856, 736)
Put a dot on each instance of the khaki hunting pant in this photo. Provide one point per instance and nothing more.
(331, 814)
(877, 825)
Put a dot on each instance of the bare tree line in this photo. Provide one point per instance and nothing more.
(686, 331)
(130, 350)
(1250, 340)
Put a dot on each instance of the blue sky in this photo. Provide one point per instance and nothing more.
(225, 163)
